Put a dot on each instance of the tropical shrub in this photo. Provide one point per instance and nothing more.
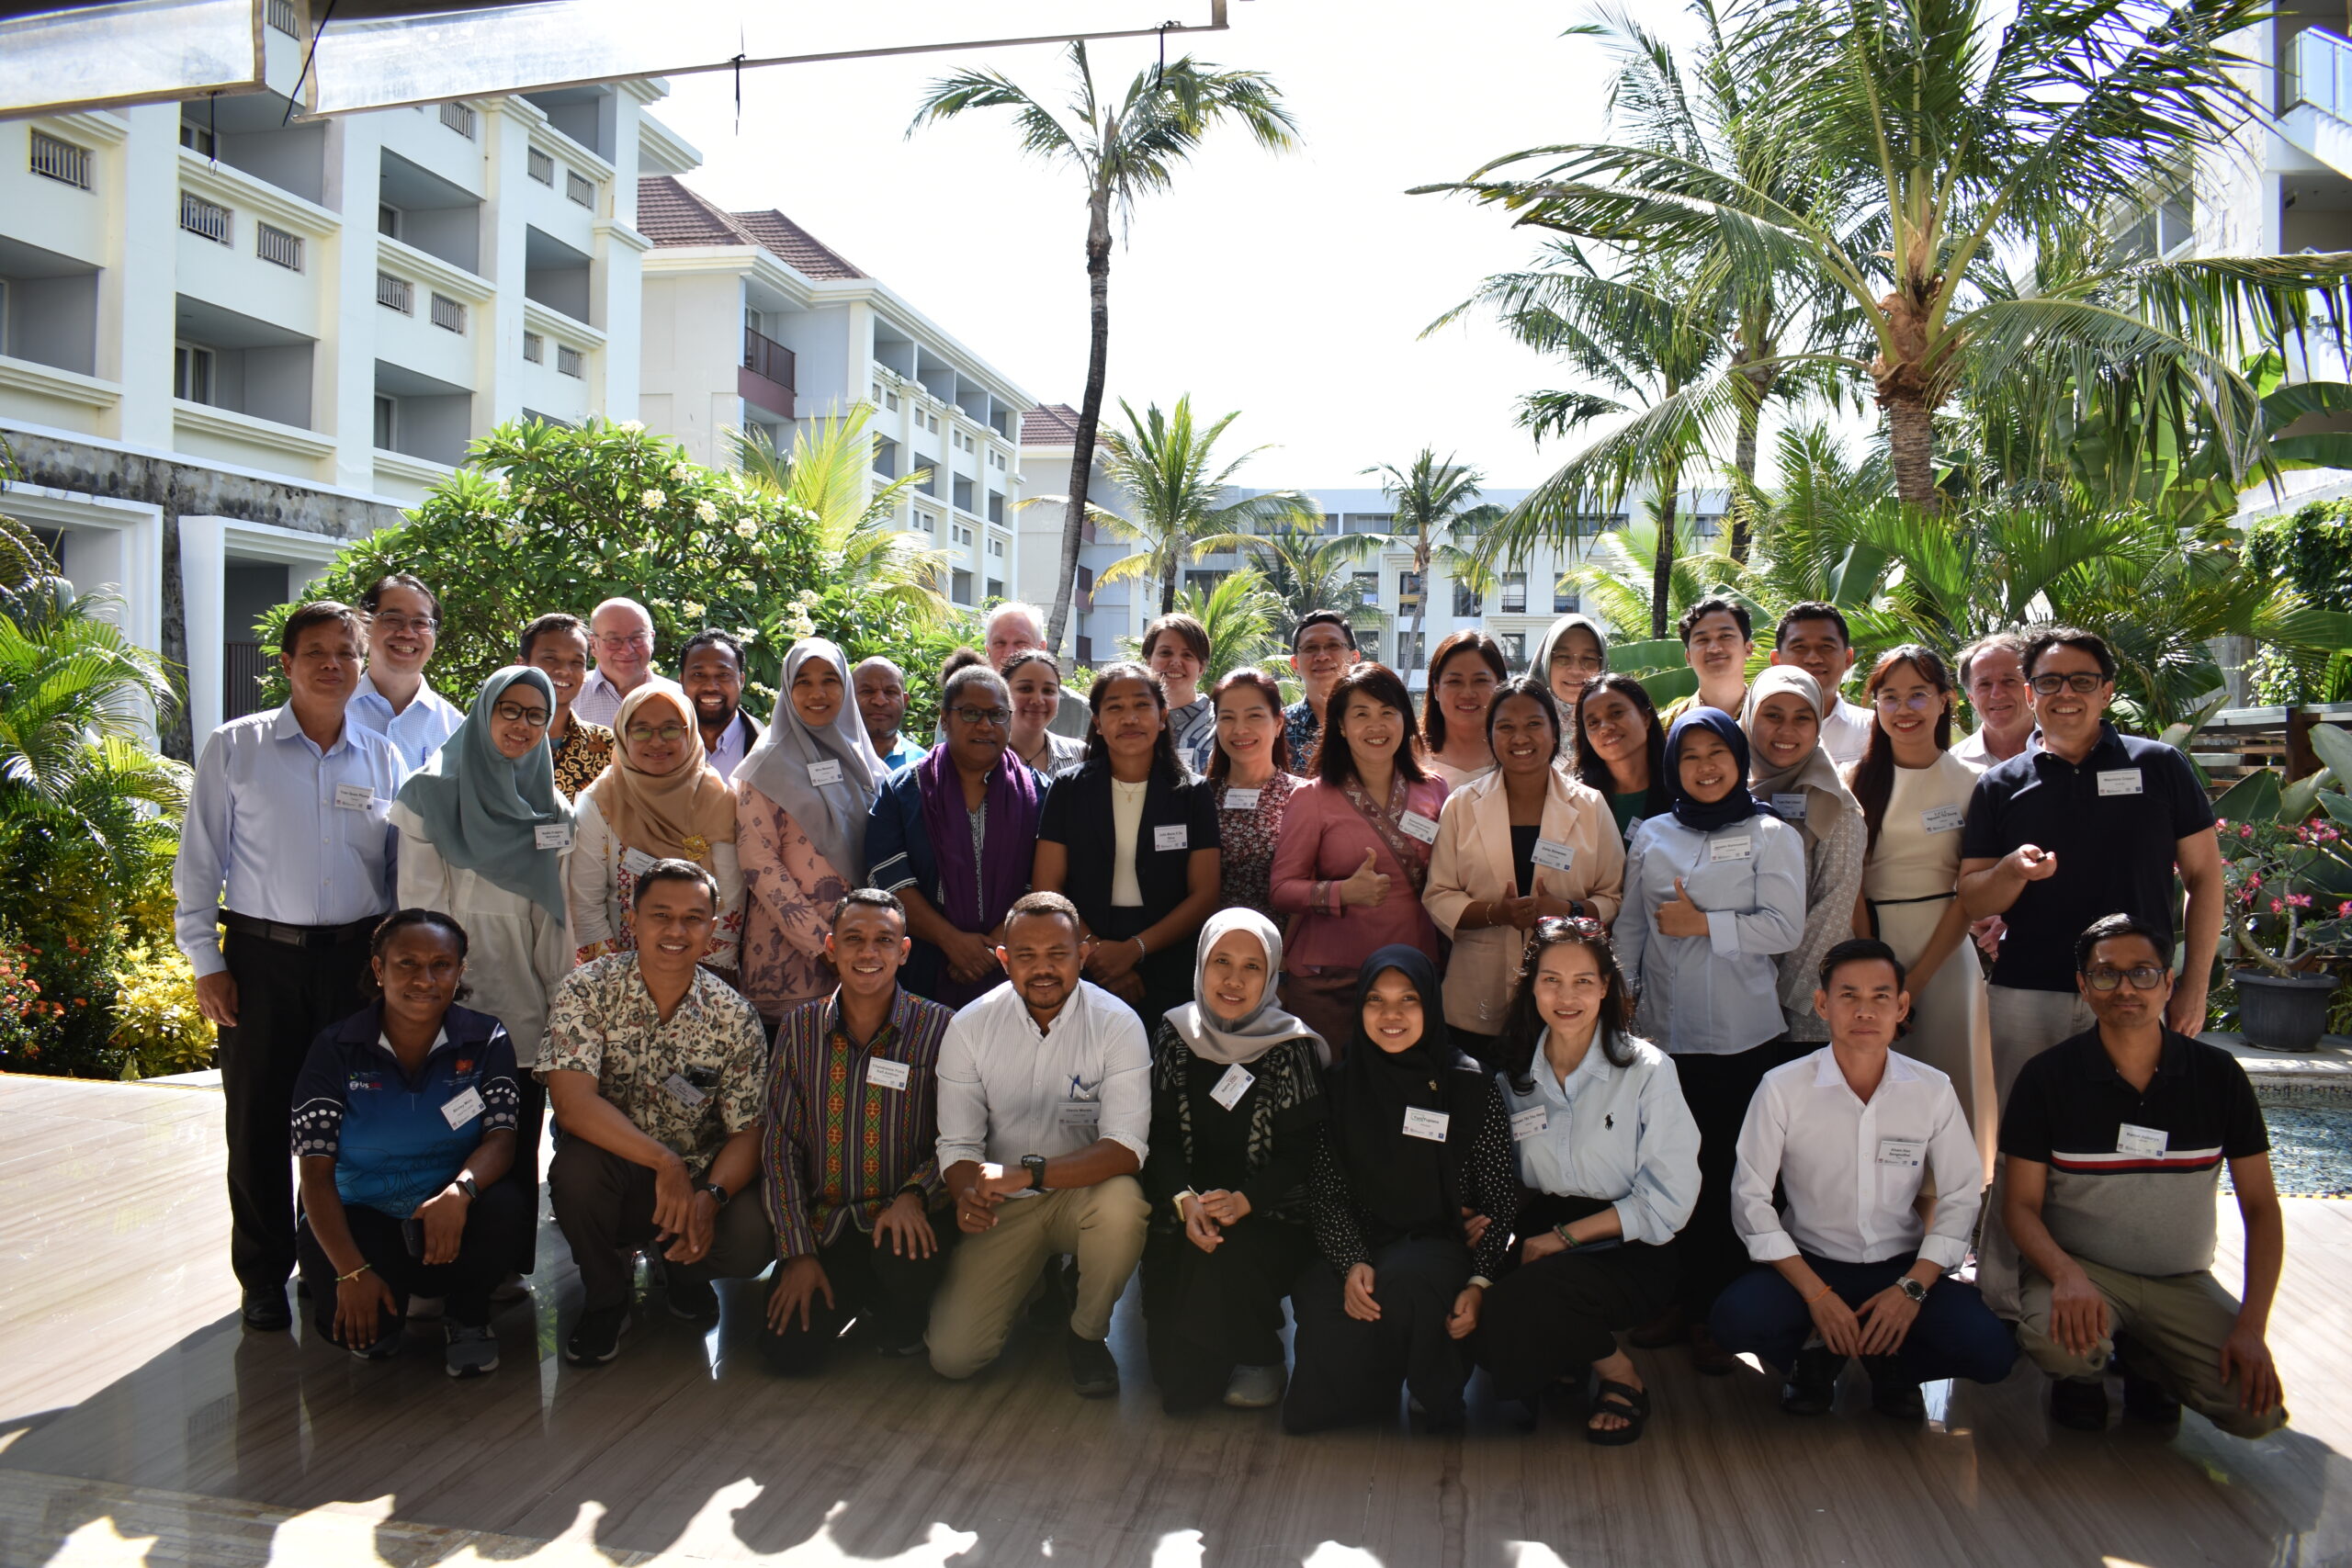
(23, 1010)
(158, 1027)
(2310, 551)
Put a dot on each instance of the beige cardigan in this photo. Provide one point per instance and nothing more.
(1471, 861)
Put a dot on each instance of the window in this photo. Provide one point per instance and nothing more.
(996, 508)
(198, 139)
(1563, 599)
(1514, 594)
(1368, 589)
(387, 411)
(192, 373)
(395, 294)
(1368, 644)
(1514, 649)
(570, 361)
(926, 522)
(388, 220)
(877, 394)
(542, 167)
(281, 17)
(277, 245)
(1468, 600)
(1409, 587)
(459, 117)
(210, 219)
(449, 314)
(1411, 649)
(580, 188)
(996, 588)
(996, 548)
(932, 422)
(961, 593)
(534, 348)
(64, 161)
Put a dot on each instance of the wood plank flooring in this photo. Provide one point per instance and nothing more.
(137, 1424)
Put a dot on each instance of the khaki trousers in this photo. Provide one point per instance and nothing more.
(2177, 1322)
(990, 1273)
(2024, 1024)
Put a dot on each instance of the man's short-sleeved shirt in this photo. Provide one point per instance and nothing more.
(2114, 819)
(397, 1141)
(690, 1083)
(2133, 1175)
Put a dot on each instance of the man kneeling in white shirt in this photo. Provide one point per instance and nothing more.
(1849, 1132)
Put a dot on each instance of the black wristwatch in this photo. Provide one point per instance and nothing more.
(719, 1194)
(1035, 1165)
(1911, 1287)
(465, 1184)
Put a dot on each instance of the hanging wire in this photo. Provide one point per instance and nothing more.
(310, 57)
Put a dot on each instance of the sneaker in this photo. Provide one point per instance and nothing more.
(426, 1309)
(1093, 1372)
(1812, 1385)
(385, 1349)
(1891, 1393)
(596, 1337)
(510, 1290)
(2145, 1400)
(472, 1352)
(265, 1311)
(690, 1294)
(1255, 1388)
(2079, 1406)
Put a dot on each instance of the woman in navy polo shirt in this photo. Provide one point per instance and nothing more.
(404, 1121)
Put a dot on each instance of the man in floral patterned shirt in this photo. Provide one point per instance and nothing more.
(654, 1066)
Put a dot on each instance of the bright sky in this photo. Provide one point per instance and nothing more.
(1293, 287)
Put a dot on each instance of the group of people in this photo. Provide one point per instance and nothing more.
(1510, 1033)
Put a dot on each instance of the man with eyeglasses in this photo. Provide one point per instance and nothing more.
(393, 700)
(2086, 822)
(621, 636)
(2115, 1141)
(1814, 638)
(1322, 650)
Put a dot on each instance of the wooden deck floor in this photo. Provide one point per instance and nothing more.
(137, 1424)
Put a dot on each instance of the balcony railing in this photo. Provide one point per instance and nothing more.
(764, 378)
(542, 167)
(578, 187)
(448, 313)
(459, 117)
(2319, 72)
(281, 17)
(209, 219)
(277, 245)
(61, 161)
(395, 293)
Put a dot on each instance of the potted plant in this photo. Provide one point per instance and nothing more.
(2288, 868)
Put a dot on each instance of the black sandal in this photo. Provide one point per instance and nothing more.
(1627, 1403)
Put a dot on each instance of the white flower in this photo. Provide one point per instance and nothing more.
(631, 427)
(692, 610)
(681, 472)
(799, 625)
(708, 512)
(746, 529)
(654, 499)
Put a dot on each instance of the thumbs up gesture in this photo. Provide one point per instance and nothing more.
(1368, 887)
(1679, 917)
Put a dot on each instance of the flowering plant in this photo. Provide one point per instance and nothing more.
(2291, 888)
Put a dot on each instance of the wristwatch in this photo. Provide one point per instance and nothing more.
(1035, 1165)
(719, 1194)
(465, 1184)
(1911, 1287)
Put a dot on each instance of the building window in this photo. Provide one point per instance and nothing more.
(449, 314)
(1514, 649)
(1411, 649)
(210, 219)
(890, 401)
(1468, 600)
(580, 188)
(281, 17)
(1368, 589)
(1409, 587)
(395, 294)
(570, 361)
(996, 508)
(1514, 594)
(926, 522)
(192, 373)
(534, 348)
(1563, 599)
(198, 139)
(64, 161)
(996, 548)
(277, 245)
(1368, 644)
(386, 414)
(542, 167)
(388, 220)
(961, 593)
(459, 117)
(877, 394)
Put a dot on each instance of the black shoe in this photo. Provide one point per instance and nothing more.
(2079, 1406)
(1892, 1393)
(1092, 1371)
(596, 1337)
(2146, 1402)
(690, 1293)
(265, 1311)
(1812, 1385)
(899, 1350)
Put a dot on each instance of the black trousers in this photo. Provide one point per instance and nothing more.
(872, 1284)
(1207, 1313)
(530, 1121)
(1554, 1317)
(285, 997)
(604, 1204)
(1345, 1370)
(495, 1225)
(1717, 1090)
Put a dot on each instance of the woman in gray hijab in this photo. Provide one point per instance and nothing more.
(801, 800)
(1571, 653)
(1237, 1107)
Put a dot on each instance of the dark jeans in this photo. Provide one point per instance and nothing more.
(494, 1225)
(1717, 1090)
(1552, 1318)
(1955, 1334)
(872, 1284)
(286, 995)
(1344, 1370)
(1207, 1313)
(604, 1204)
(531, 1118)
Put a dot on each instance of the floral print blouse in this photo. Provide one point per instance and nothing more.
(790, 890)
(1247, 837)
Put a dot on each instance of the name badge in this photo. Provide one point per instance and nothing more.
(637, 863)
(1241, 800)
(2150, 1140)
(1172, 836)
(1633, 826)
(1430, 1125)
(1790, 805)
(462, 1109)
(1233, 1086)
(551, 836)
(2118, 781)
(825, 772)
(882, 1073)
(1081, 1113)
(1943, 818)
(1730, 849)
(354, 797)
(683, 1092)
(1416, 826)
(1900, 1151)
(1527, 1123)
(1555, 852)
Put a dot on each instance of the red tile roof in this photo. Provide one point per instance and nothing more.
(669, 214)
(1049, 425)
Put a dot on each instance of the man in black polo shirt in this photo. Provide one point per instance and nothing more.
(2115, 1141)
(2087, 821)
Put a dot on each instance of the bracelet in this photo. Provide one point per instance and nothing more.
(1177, 1202)
(1142, 952)
(347, 1279)
(1818, 1294)
(1566, 1239)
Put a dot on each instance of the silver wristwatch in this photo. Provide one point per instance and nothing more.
(1911, 1287)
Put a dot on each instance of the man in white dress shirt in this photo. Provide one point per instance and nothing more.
(620, 634)
(393, 700)
(1849, 1132)
(1814, 638)
(1045, 1105)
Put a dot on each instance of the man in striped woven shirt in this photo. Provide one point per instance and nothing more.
(849, 1166)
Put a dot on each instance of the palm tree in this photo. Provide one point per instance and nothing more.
(1953, 136)
(1307, 570)
(1126, 148)
(1618, 578)
(1238, 613)
(829, 475)
(1431, 502)
(1168, 468)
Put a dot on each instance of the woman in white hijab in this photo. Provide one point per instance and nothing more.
(1235, 1110)
(801, 800)
(1792, 773)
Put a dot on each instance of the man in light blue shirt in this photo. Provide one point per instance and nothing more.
(287, 818)
(392, 699)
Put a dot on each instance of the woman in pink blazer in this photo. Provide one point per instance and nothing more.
(1354, 851)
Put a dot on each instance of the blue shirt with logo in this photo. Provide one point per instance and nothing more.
(396, 1141)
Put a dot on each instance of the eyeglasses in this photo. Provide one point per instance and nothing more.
(667, 732)
(404, 623)
(999, 716)
(514, 713)
(1585, 665)
(1916, 701)
(632, 639)
(2143, 978)
(2082, 683)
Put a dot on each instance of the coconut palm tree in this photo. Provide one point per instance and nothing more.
(1307, 570)
(829, 475)
(1126, 148)
(1432, 504)
(1239, 614)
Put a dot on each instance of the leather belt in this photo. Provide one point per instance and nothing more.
(300, 936)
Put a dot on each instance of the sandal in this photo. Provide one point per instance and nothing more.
(1623, 1400)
